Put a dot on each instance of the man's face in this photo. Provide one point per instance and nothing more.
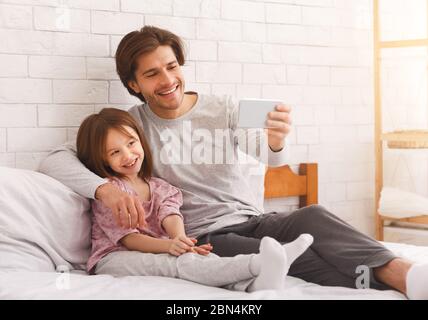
(160, 80)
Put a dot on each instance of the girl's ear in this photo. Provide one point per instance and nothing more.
(134, 86)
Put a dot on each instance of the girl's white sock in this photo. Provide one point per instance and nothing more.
(417, 282)
(269, 266)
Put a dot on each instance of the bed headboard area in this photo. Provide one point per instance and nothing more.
(283, 182)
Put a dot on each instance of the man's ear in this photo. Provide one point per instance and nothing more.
(134, 86)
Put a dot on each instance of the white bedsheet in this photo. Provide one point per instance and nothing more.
(50, 285)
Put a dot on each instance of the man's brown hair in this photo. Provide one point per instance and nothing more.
(136, 43)
(92, 137)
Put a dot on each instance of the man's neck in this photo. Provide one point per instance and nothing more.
(189, 100)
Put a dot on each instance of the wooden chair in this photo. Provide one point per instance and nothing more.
(283, 182)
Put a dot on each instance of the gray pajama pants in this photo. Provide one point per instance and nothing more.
(332, 260)
(232, 273)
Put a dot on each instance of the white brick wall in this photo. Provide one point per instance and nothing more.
(114, 22)
(319, 75)
(80, 91)
(197, 8)
(17, 41)
(18, 115)
(240, 52)
(61, 19)
(208, 29)
(81, 45)
(3, 141)
(34, 139)
(290, 94)
(13, 66)
(18, 17)
(63, 115)
(163, 7)
(57, 66)
(101, 68)
(243, 10)
(25, 90)
(119, 94)
(222, 72)
(201, 50)
(279, 13)
(251, 32)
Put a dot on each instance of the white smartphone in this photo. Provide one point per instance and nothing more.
(253, 112)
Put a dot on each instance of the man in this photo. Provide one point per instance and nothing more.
(219, 191)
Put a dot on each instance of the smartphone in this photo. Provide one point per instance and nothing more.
(253, 112)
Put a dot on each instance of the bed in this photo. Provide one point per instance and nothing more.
(45, 242)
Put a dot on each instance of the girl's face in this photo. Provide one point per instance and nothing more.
(124, 153)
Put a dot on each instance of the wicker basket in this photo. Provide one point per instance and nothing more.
(420, 143)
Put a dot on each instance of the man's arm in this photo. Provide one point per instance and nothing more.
(63, 165)
(268, 146)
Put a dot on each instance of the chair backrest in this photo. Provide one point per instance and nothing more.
(283, 182)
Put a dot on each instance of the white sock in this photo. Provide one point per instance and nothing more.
(269, 266)
(417, 282)
(294, 249)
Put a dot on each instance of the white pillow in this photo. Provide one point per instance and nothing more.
(44, 226)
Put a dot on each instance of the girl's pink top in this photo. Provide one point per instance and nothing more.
(165, 200)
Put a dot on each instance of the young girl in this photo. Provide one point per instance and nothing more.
(112, 145)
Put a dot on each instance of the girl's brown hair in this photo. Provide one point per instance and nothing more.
(136, 43)
(92, 137)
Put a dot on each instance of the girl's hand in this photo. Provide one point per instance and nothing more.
(180, 244)
(204, 249)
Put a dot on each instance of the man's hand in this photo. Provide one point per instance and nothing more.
(127, 209)
(279, 125)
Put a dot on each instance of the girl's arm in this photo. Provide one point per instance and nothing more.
(147, 244)
(171, 221)
(174, 226)
(144, 243)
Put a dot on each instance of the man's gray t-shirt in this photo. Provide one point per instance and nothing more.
(203, 153)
